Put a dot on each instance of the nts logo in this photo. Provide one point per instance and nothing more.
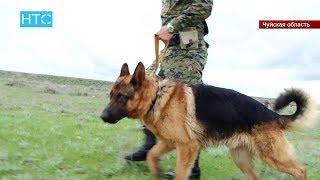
(35, 18)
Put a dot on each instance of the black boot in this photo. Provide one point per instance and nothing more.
(195, 172)
(141, 154)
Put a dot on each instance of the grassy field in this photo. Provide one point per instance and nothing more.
(50, 129)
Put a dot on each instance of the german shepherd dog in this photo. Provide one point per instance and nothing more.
(188, 118)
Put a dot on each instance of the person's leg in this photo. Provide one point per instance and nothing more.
(184, 65)
(141, 154)
(195, 172)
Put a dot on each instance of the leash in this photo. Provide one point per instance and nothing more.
(156, 64)
(156, 50)
(159, 58)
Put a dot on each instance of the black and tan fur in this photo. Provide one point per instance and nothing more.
(188, 118)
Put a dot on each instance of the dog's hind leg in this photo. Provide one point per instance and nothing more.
(274, 149)
(186, 155)
(243, 158)
(155, 153)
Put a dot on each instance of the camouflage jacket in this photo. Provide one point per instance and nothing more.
(182, 14)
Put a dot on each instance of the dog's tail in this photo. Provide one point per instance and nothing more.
(305, 113)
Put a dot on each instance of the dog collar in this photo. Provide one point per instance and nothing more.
(158, 78)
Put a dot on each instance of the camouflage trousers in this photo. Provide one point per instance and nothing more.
(185, 65)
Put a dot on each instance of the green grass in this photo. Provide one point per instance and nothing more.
(58, 135)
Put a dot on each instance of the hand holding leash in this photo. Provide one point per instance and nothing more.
(151, 70)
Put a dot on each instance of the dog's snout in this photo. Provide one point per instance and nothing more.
(113, 115)
(102, 116)
(105, 115)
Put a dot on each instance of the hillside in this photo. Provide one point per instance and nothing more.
(50, 129)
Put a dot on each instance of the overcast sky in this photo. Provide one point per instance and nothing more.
(92, 39)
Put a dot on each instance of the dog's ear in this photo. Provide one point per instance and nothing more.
(138, 75)
(124, 70)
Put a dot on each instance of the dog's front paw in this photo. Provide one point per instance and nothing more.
(155, 171)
